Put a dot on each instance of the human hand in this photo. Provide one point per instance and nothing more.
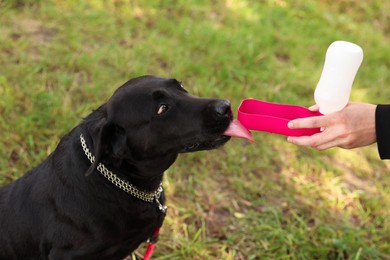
(352, 127)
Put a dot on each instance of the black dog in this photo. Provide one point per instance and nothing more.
(99, 194)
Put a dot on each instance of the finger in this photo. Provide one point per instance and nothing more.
(324, 140)
(308, 122)
(312, 141)
(330, 144)
(314, 108)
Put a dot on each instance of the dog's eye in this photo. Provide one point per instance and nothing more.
(162, 109)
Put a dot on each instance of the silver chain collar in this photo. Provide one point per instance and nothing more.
(122, 184)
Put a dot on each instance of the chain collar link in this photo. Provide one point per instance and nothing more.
(122, 184)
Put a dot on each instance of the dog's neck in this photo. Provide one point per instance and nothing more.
(148, 196)
(137, 173)
(144, 173)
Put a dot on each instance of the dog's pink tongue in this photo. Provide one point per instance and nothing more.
(236, 129)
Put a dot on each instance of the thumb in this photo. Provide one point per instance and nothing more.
(314, 108)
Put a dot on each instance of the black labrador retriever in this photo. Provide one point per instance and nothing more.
(99, 194)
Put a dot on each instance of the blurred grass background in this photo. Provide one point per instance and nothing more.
(267, 200)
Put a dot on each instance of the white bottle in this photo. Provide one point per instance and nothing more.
(342, 62)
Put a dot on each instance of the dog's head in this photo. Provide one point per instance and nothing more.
(152, 118)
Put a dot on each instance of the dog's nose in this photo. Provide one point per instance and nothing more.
(222, 107)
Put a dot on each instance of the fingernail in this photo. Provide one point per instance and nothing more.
(290, 125)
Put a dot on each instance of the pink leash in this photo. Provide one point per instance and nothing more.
(152, 244)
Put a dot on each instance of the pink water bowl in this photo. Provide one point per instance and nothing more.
(273, 118)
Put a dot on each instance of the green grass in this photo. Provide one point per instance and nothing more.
(266, 200)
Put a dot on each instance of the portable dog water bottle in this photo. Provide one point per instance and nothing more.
(342, 62)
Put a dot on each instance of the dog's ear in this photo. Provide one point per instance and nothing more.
(110, 146)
